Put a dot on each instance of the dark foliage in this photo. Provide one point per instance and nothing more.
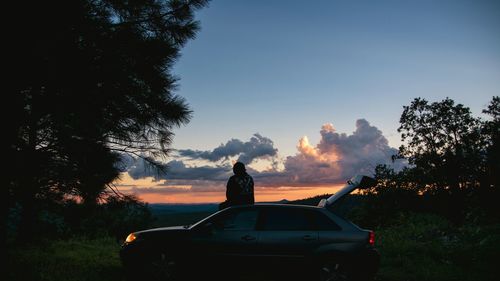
(453, 164)
(90, 80)
(117, 217)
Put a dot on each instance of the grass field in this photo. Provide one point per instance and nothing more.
(76, 259)
(427, 247)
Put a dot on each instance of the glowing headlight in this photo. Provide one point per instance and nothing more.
(131, 238)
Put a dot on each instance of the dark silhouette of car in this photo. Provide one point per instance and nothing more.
(310, 242)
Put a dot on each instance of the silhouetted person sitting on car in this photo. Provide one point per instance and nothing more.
(239, 190)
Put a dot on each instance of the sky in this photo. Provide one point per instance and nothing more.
(309, 93)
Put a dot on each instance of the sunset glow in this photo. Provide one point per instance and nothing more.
(146, 189)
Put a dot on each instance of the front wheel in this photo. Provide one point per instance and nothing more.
(163, 267)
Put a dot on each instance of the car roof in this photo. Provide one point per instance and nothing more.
(278, 205)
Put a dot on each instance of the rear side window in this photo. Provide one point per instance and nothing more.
(324, 223)
(286, 219)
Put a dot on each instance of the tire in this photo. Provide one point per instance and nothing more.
(333, 270)
(162, 266)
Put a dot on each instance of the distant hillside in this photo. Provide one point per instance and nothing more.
(180, 214)
(182, 208)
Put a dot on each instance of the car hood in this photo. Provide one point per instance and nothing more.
(163, 229)
(358, 181)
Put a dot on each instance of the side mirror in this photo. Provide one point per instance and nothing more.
(205, 229)
(209, 226)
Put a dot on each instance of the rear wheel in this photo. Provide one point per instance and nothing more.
(333, 270)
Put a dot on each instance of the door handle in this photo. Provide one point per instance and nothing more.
(248, 238)
(308, 238)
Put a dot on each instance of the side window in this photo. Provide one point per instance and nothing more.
(244, 219)
(323, 222)
(282, 219)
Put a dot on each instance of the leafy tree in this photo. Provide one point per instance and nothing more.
(490, 181)
(443, 143)
(491, 130)
(91, 79)
(453, 162)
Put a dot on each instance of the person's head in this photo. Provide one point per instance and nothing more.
(239, 168)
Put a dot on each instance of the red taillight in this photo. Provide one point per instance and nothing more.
(371, 238)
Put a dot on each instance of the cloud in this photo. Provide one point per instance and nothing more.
(336, 158)
(178, 170)
(257, 147)
(339, 156)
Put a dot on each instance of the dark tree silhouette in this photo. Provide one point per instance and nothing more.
(490, 183)
(492, 134)
(454, 162)
(91, 80)
(443, 141)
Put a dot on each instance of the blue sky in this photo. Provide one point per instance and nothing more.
(284, 68)
(289, 69)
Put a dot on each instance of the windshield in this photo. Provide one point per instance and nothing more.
(202, 221)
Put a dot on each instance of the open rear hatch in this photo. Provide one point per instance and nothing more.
(358, 181)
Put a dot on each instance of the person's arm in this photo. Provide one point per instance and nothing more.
(252, 190)
(229, 189)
